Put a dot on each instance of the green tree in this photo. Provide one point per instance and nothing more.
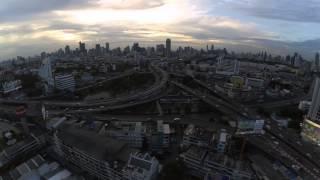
(174, 170)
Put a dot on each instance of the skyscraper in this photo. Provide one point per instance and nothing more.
(107, 47)
(316, 62)
(82, 48)
(98, 50)
(311, 124)
(314, 111)
(168, 47)
(45, 73)
(67, 50)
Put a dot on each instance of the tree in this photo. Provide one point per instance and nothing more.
(174, 170)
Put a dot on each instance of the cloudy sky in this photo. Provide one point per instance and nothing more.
(28, 27)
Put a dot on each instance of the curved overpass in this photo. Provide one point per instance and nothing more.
(148, 95)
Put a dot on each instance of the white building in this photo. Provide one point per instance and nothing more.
(141, 167)
(314, 113)
(221, 145)
(10, 86)
(304, 105)
(311, 124)
(65, 82)
(46, 74)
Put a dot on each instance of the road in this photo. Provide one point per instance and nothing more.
(293, 148)
(145, 96)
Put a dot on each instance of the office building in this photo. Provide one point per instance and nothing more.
(314, 113)
(160, 50)
(168, 47)
(107, 48)
(65, 82)
(316, 62)
(67, 50)
(84, 145)
(46, 75)
(82, 48)
(311, 124)
(98, 50)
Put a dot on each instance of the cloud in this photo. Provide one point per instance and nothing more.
(131, 4)
(289, 10)
(19, 10)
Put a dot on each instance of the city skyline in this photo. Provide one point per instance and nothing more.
(32, 27)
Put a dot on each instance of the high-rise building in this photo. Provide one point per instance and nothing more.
(82, 48)
(45, 73)
(160, 49)
(135, 47)
(98, 50)
(67, 50)
(316, 62)
(107, 47)
(311, 124)
(168, 47)
(65, 82)
(314, 112)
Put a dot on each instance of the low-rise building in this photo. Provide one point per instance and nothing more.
(304, 106)
(84, 145)
(141, 167)
(130, 132)
(38, 168)
(197, 136)
(158, 136)
(254, 83)
(10, 86)
(21, 149)
(201, 161)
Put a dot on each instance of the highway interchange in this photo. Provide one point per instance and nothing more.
(277, 142)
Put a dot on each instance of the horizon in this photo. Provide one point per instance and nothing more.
(28, 28)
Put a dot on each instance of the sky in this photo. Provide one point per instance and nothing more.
(28, 27)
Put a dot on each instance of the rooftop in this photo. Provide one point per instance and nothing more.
(202, 133)
(98, 146)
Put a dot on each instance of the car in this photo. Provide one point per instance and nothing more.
(176, 119)
(309, 155)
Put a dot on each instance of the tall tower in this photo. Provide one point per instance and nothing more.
(314, 111)
(168, 47)
(107, 47)
(316, 62)
(82, 47)
(45, 72)
(67, 50)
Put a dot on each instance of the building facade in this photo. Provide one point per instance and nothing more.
(65, 82)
